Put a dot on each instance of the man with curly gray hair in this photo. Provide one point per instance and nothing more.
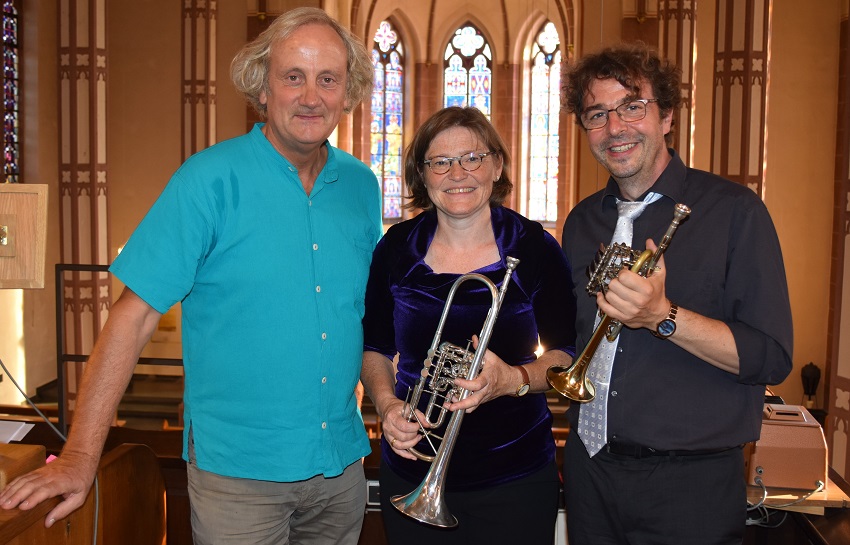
(250, 68)
(269, 252)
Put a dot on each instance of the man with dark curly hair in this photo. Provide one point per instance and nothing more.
(656, 457)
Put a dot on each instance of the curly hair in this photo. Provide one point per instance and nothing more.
(447, 118)
(631, 65)
(250, 67)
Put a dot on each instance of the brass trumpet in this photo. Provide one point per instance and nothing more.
(572, 382)
(444, 363)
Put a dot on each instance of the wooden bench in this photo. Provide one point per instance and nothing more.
(130, 510)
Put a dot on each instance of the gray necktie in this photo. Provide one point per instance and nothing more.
(593, 416)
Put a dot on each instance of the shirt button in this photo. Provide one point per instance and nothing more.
(324, 380)
(619, 350)
(318, 289)
(614, 393)
(324, 425)
(315, 246)
(324, 336)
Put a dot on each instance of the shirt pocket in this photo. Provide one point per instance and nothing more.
(702, 292)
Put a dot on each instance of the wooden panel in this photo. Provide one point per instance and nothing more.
(15, 460)
(27, 527)
(131, 510)
(23, 232)
(132, 497)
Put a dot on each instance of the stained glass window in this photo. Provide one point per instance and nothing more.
(468, 78)
(543, 125)
(387, 116)
(10, 92)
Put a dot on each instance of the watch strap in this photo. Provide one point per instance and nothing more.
(525, 379)
(671, 317)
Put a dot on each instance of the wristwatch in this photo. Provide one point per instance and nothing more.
(526, 382)
(667, 326)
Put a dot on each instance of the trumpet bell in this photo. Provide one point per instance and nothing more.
(426, 505)
(571, 383)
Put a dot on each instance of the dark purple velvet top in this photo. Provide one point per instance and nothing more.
(508, 437)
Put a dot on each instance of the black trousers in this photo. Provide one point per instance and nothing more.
(656, 500)
(521, 511)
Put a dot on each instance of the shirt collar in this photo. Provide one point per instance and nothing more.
(331, 170)
(329, 173)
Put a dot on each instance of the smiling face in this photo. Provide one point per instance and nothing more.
(459, 193)
(634, 153)
(305, 93)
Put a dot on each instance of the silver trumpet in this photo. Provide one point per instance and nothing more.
(444, 363)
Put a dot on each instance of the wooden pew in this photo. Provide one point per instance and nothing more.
(131, 507)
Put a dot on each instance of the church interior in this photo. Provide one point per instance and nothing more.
(109, 97)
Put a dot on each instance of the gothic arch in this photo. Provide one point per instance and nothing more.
(528, 29)
(447, 29)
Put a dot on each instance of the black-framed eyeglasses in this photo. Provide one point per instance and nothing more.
(469, 162)
(632, 111)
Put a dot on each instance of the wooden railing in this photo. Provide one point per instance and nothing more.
(63, 358)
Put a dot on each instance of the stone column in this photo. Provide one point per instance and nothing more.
(737, 143)
(83, 175)
(505, 118)
(837, 382)
(677, 20)
(199, 77)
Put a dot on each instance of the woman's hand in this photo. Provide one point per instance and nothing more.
(496, 379)
(399, 433)
(378, 378)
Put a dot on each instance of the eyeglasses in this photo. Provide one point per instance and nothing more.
(629, 112)
(468, 162)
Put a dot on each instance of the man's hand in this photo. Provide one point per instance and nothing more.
(69, 476)
(634, 300)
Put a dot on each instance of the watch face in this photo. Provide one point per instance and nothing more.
(522, 390)
(666, 327)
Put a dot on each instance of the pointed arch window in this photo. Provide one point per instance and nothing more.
(543, 124)
(467, 70)
(387, 126)
(10, 92)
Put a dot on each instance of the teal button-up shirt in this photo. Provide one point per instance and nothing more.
(272, 284)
